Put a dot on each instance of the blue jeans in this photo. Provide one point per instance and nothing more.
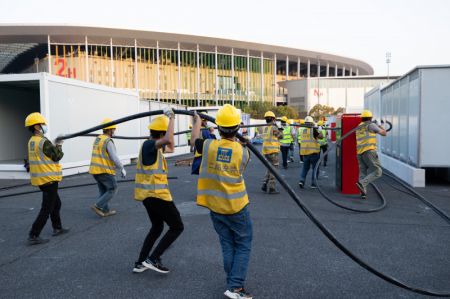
(107, 187)
(235, 235)
(309, 161)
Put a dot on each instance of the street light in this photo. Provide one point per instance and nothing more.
(388, 60)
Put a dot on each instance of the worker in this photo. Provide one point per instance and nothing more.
(45, 173)
(310, 150)
(270, 150)
(152, 189)
(285, 141)
(205, 134)
(221, 189)
(104, 162)
(366, 148)
(323, 142)
(292, 147)
(188, 135)
(244, 131)
(299, 138)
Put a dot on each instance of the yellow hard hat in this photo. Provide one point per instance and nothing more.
(228, 116)
(309, 119)
(366, 113)
(302, 121)
(159, 124)
(108, 120)
(290, 121)
(320, 123)
(284, 119)
(190, 126)
(35, 118)
(269, 114)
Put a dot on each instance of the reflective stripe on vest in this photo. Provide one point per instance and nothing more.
(309, 145)
(287, 136)
(151, 180)
(221, 187)
(323, 141)
(299, 134)
(43, 170)
(271, 145)
(365, 140)
(100, 160)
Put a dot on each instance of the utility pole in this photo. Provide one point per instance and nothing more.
(388, 61)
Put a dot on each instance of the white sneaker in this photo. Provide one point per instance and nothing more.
(238, 294)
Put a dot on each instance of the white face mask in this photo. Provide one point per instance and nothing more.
(44, 129)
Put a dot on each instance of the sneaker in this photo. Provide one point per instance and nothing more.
(98, 211)
(292, 160)
(60, 231)
(361, 189)
(139, 268)
(37, 240)
(264, 187)
(273, 191)
(110, 213)
(155, 265)
(314, 186)
(301, 184)
(238, 294)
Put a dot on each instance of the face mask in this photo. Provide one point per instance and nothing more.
(268, 120)
(44, 129)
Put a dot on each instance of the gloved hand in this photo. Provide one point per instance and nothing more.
(58, 140)
(169, 112)
(123, 172)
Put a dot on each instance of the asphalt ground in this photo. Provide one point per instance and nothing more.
(290, 257)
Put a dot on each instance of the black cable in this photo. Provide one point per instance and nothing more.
(290, 191)
(14, 187)
(438, 211)
(328, 198)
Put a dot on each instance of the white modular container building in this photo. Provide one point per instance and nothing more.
(69, 106)
(417, 104)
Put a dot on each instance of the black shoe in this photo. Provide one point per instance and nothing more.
(155, 265)
(37, 240)
(264, 187)
(285, 167)
(139, 268)
(301, 184)
(273, 191)
(361, 189)
(313, 186)
(60, 231)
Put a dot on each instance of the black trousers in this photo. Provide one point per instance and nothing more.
(51, 205)
(160, 211)
(284, 155)
(324, 148)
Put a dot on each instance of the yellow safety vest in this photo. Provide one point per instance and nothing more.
(365, 140)
(151, 180)
(221, 187)
(309, 145)
(323, 141)
(43, 170)
(287, 136)
(271, 145)
(100, 160)
(299, 135)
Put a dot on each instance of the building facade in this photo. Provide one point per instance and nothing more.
(173, 68)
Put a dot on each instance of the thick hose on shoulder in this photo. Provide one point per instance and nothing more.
(293, 195)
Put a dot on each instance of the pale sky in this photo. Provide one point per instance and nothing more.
(415, 32)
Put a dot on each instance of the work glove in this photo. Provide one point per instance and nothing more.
(123, 172)
(58, 141)
(169, 112)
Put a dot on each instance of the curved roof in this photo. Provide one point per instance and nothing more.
(100, 35)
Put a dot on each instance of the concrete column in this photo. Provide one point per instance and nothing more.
(308, 69)
(298, 68)
(328, 69)
(343, 71)
(335, 70)
(287, 68)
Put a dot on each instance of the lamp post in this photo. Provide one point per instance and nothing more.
(388, 61)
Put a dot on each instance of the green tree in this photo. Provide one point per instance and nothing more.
(258, 109)
(319, 111)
